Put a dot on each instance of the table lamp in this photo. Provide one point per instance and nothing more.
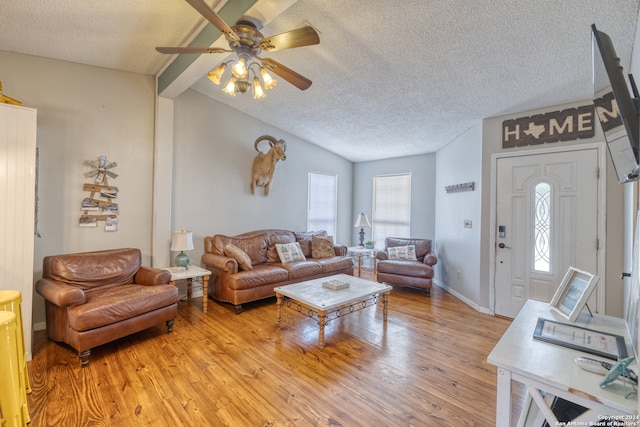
(182, 241)
(361, 222)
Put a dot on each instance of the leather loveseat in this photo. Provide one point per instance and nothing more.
(263, 270)
(93, 298)
(416, 272)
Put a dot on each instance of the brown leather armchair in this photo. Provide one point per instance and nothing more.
(93, 298)
(415, 274)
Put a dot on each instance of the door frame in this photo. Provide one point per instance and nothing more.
(601, 207)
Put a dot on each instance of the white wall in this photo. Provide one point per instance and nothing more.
(458, 248)
(422, 169)
(213, 154)
(84, 112)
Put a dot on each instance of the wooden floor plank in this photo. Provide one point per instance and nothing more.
(426, 366)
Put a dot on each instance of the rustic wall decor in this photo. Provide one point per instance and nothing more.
(564, 125)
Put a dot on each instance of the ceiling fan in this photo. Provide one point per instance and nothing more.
(248, 43)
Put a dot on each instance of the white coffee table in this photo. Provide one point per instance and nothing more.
(314, 300)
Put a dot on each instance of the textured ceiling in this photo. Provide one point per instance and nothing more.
(389, 79)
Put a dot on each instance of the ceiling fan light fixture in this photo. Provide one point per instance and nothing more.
(230, 88)
(239, 69)
(242, 85)
(269, 82)
(216, 74)
(257, 89)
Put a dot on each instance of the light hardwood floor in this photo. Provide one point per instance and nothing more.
(427, 367)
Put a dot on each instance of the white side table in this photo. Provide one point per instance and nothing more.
(359, 252)
(189, 274)
(551, 368)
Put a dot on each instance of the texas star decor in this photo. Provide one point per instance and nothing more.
(564, 125)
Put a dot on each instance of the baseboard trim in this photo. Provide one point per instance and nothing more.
(462, 298)
(40, 326)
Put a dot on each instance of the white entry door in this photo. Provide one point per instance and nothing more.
(547, 221)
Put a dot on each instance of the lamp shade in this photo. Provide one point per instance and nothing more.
(362, 221)
(182, 240)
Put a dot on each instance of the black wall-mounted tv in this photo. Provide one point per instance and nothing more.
(615, 108)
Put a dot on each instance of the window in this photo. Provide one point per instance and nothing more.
(542, 227)
(322, 203)
(391, 207)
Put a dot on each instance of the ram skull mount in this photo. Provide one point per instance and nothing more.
(264, 165)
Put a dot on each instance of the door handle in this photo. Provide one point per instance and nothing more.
(503, 246)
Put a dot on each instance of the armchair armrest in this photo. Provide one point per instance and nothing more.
(219, 262)
(60, 293)
(340, 250)
(382, 255)
(149, 276)
(430, 259)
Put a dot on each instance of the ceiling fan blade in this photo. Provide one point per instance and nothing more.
(298, 80)
(213, 17)
(197, 50)
(91, 174)
(304, 36)
(91, 163)
(111, 174)
(111, 165)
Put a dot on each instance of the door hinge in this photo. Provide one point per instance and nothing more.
(597, 172)
(597, 244)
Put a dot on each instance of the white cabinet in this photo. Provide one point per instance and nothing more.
(17, 206)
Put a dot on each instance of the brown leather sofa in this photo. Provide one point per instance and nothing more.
(415, 274)
(231, 283)
(93, 298)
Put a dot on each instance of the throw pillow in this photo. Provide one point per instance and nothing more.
(289, 252)
(403, 253)
(232, 251)
(322, 247)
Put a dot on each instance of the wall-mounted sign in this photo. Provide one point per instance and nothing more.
(565, 125)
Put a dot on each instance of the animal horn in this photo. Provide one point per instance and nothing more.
(269, 138)
(284, 144)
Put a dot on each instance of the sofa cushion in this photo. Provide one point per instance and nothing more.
(244, 261)
(407, 252)
(109, 305)
(277, 238)
(263, 274)
(305, 240)
(423, 246)
(289, 252)
(322, 247)
(405, 268)
(301, 269)
(254, 246)
(335, 263)
(94, 269)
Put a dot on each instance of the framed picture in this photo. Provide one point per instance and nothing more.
(573, 293)
(582, 339)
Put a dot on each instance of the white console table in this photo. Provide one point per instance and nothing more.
(550, 368)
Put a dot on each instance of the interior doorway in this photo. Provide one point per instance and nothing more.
(546, 219)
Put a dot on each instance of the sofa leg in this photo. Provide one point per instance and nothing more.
(428, 292)
(84, 358)
(170, 326)
(238, 308)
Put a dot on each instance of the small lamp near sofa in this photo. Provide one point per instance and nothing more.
(182, 240)
(361, 222)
